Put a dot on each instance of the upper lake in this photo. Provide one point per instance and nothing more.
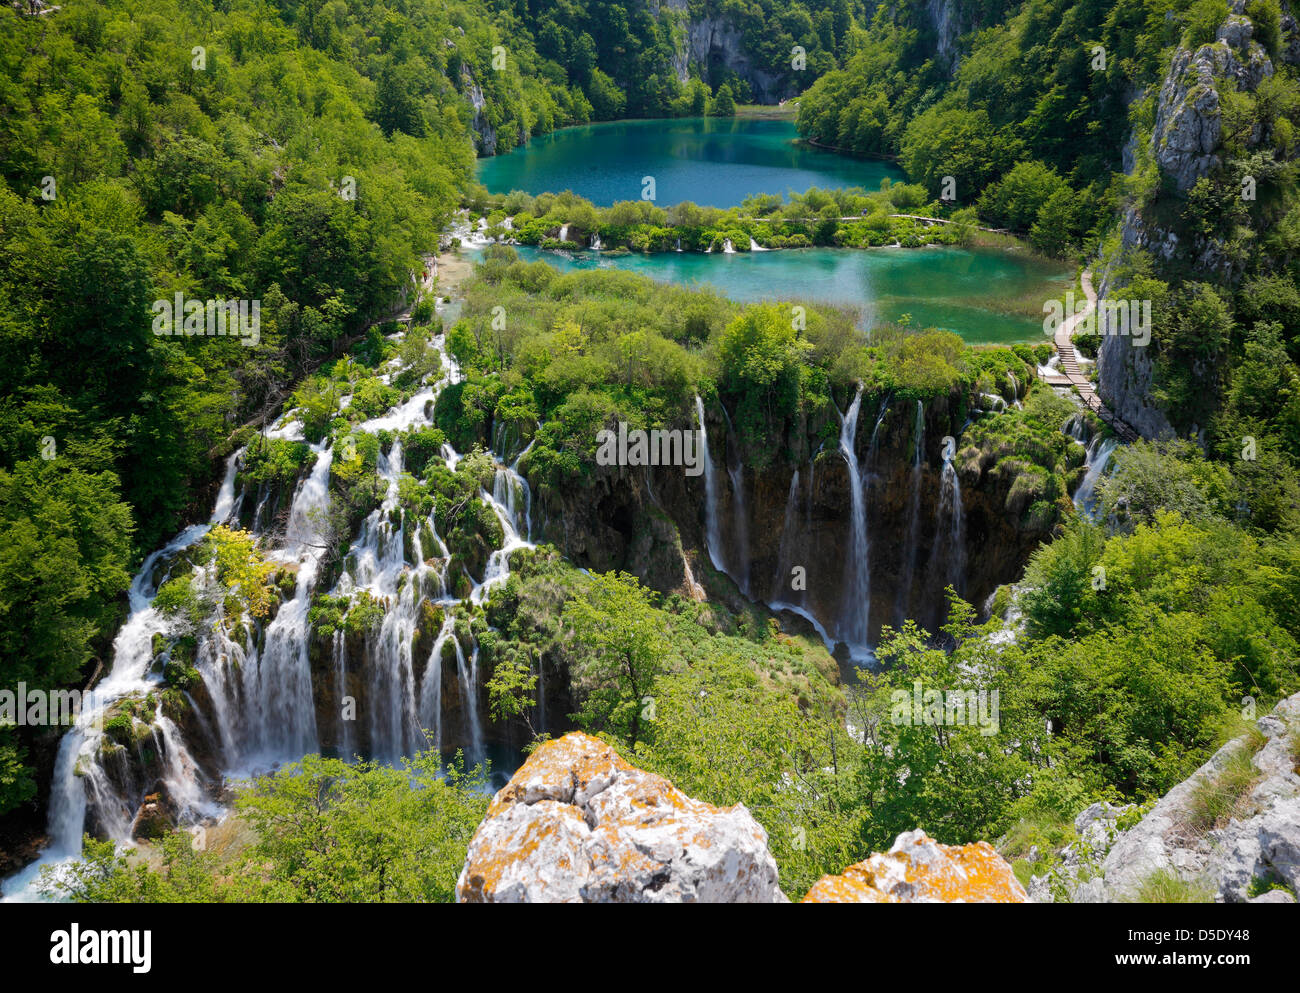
(713, 161)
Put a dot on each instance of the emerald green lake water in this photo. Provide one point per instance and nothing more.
(988, 296)
(969, 291)
(715, 162)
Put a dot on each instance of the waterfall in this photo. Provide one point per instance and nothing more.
(1076, 428)
(80, 783)
(727, 247)
(856, 606)
(875, 434)
(258, 678)
(468, 672)
(263, 700)
(785, 553)
(564, 232)
(431, 686)
(595, 243)
(1098, 459)
(756, 247)
(346, 745)
(951, 516)
(180, 773)
(740, 526)
(679, 244)
(739, 570)
(914, 517)
(712, 529)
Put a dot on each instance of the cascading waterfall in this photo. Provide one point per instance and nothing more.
(739, 570)
(712, 528)
(914, 517)
(740, 525)
(81, 784)
(595, 243)
(1098, 459)
(952, 520)
(727, 247)
(346, 745)
(785, 552)
(1076, 428)
(854, 622)
(262, 702)
(564, 232)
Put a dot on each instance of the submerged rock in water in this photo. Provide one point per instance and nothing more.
(920, 870)
(577, 824)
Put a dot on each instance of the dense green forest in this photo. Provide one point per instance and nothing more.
(316, 155)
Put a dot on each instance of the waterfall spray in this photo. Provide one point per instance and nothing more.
(855, 609)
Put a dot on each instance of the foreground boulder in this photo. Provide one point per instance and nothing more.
(577, 824)
(920, 870)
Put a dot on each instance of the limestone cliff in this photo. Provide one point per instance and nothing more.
(1183, 145)
(711, 43)
(652, 522)
(1229, 833)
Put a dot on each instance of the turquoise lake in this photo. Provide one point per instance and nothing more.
(969, 291)
(987, 295)
(715, 162)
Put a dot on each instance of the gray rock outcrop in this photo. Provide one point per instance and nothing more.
(1257, 847)
(577, 824)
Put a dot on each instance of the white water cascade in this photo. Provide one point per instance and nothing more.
(595, 243)
(914, 517)
(259, 682)
(727, 247)
(739, 570)
(953, 525)
(80, 783)
(1098, 460)
(855, 610)
(785, 552)
(712, 527)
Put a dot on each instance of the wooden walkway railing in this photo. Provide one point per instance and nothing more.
(1072, 373)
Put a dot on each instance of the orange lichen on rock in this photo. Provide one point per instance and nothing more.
(570, 769)
(578, 824)
(920, 870)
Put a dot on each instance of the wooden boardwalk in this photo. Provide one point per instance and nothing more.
(1072, 375)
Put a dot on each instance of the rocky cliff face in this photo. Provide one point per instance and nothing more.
(1230, 832)
(577, 824)
(485, 133)
(712, 43)
(1185, 143)
(652, 522)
